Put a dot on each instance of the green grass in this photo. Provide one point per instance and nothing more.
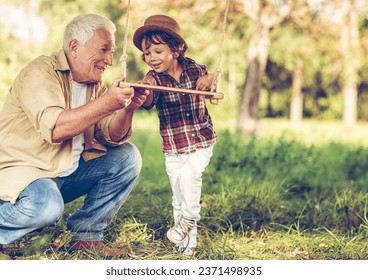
(293, 193)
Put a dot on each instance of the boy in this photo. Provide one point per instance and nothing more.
(185, 125)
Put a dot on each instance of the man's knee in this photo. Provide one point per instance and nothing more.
(136, 158)
(53, 209)
(45, 210)
(131, 157)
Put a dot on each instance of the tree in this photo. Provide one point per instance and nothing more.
(351, 53)
(265, 14)
(345, 16)
(294, 49)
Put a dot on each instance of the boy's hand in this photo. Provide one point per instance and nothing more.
(149, 97)
(204, 83)
(149, 80)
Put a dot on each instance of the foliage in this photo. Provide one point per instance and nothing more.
(310, 38)
(265, 198)
(291, 163)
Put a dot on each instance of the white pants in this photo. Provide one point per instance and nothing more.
(185, 175)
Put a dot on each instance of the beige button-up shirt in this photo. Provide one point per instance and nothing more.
(40, 92)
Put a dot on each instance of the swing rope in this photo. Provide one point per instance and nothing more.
(216, 85)
(214, 93)
(217, 81)
(124, 56)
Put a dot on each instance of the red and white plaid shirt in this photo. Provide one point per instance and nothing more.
(185, 124)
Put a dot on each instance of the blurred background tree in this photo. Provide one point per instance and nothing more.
(295, 59)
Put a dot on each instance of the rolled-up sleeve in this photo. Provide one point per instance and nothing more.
(42, 100)
(48, 121)
(102, 132)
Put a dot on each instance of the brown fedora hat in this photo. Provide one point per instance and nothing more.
(160, 23)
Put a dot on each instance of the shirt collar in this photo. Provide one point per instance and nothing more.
(61, 61)
(186, 64)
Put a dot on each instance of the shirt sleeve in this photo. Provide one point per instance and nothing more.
(42, 99)
(102, 132)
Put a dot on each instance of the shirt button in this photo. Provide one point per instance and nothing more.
(188, 114)
(193, 134)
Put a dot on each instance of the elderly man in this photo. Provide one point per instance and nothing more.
(63, 134)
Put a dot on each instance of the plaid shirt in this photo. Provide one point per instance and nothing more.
(185, 124)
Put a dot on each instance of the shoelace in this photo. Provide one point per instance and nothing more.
(181, 228)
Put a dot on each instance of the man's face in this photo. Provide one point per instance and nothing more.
(91, 60)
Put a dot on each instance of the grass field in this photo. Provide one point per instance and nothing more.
(294, 193)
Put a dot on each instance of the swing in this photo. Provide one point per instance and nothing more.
(214, 94)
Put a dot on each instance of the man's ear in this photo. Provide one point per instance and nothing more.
(73, 47)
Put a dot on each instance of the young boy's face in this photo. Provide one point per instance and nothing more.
(159, 56)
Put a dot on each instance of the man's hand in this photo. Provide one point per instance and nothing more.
(119, 97)
(121, 123)
(138, 99)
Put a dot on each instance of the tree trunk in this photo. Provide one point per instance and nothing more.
(257, 56)
(350, 49)
(265, 14)
(269, 113)
(232, 92)
(296, 105)
(350, 99)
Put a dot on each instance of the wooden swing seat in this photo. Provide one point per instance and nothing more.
(208, 94)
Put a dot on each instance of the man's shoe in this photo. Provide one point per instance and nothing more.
(11, 251)
(97, 247)
(4, 257)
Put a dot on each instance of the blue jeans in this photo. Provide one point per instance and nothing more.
(106, 181)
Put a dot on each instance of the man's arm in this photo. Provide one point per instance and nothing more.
(72, 122)
(122, 121)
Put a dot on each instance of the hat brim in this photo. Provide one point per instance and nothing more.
(138, 34)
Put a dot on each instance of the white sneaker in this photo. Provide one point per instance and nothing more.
(189, 252)
(179, 232)
(185, 251)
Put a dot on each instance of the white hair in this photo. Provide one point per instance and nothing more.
(82, 28)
